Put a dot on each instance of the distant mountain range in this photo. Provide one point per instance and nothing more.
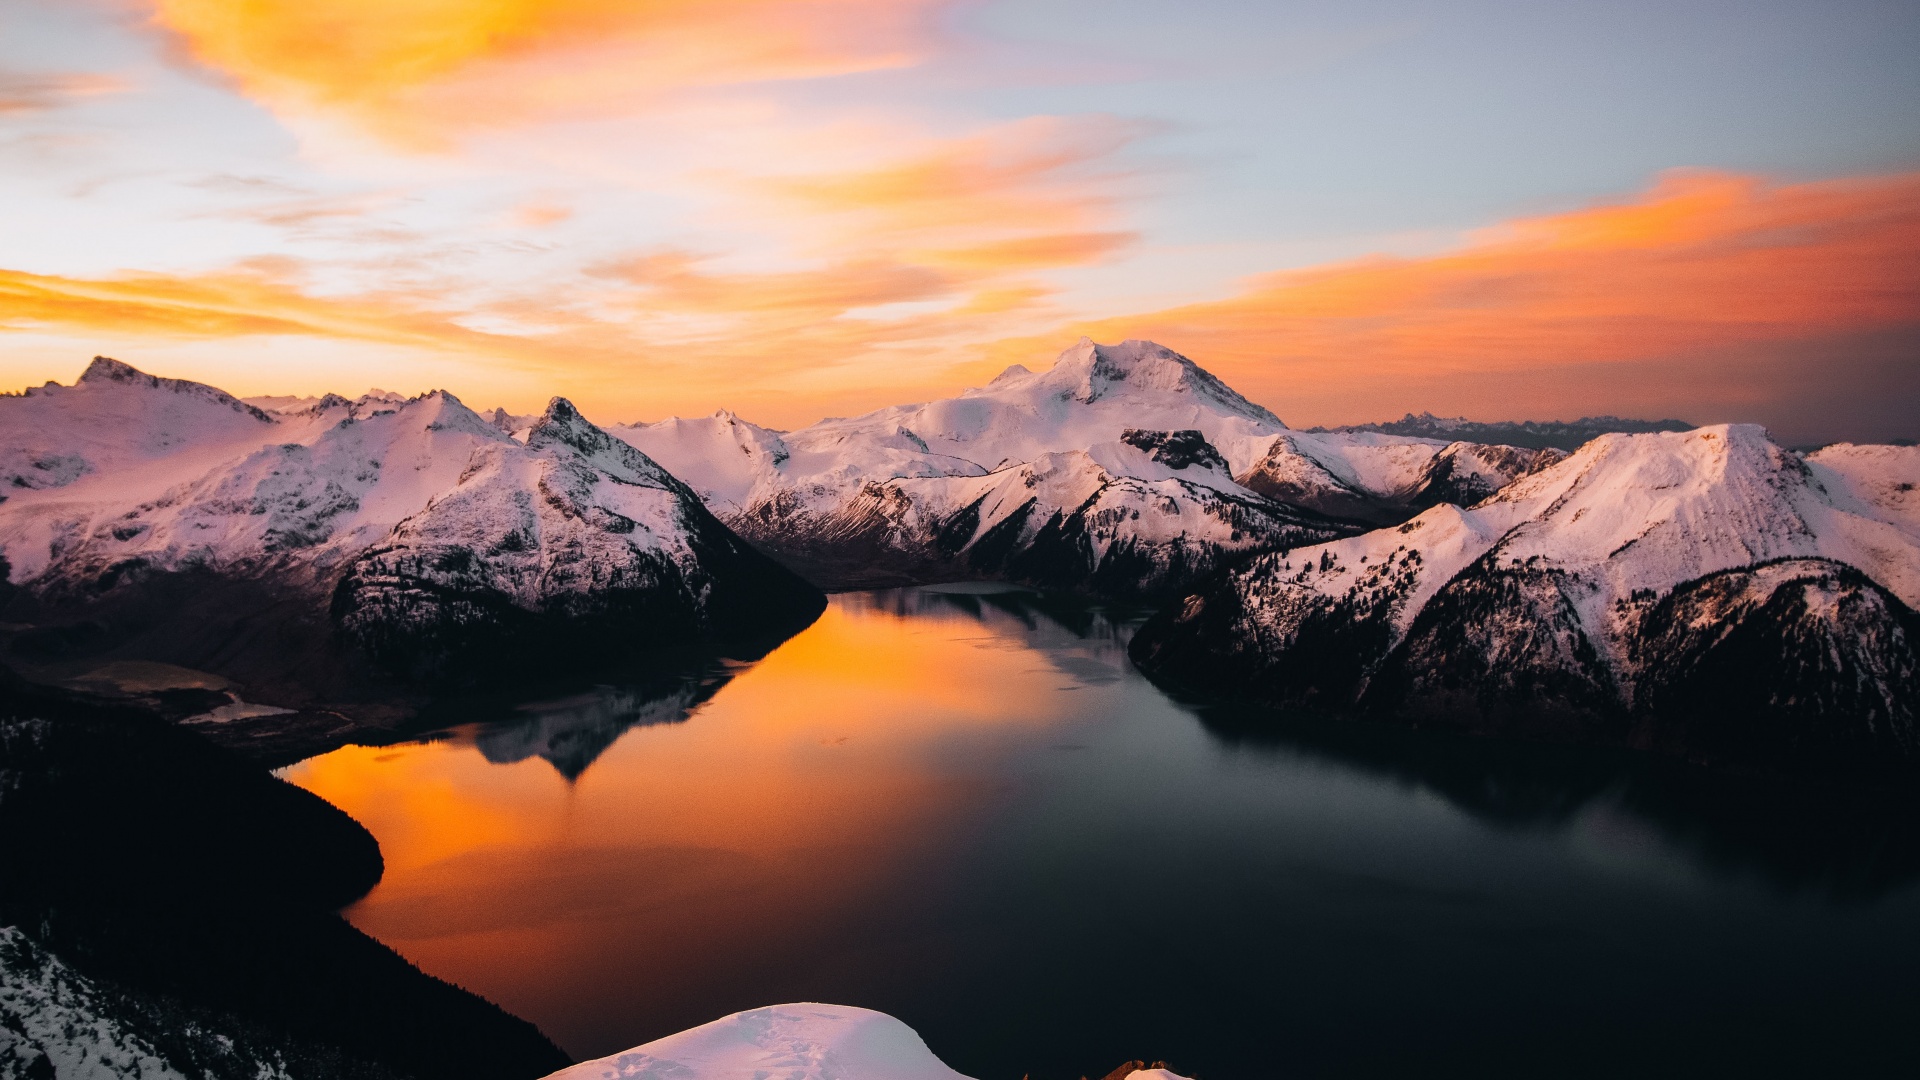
(1473, 574)
(1536, 434)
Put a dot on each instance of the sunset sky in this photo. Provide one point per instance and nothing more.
(797, 208)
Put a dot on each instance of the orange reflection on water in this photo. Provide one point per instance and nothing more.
(706, 847)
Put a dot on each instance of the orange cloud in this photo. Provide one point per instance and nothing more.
(409, 68)
(671, 283)
(1662, 303)
(1036, 177)
(227, 304)
(1035, 252)
(669, 337)
(1703, 261)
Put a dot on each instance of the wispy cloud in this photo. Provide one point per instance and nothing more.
(252, 300)
(31, 92)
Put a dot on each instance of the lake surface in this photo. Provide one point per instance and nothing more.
(965, 808)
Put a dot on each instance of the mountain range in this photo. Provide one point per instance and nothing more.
(1122, 471)
(412, 538)
(1704, 593)
(1690, 590)
(1536, 434)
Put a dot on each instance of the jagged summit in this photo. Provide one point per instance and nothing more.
(563, 426)
(106, 368)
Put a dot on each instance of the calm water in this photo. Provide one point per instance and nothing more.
(967, 810)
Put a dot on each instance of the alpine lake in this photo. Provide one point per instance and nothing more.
(964, 807)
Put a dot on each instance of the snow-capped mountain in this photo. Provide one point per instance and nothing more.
(289, 404)
(1122, 470)
(435, 540)
(1705, 592)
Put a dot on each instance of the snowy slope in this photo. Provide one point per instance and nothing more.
(788, 1042)
(1880, 482)
(57, 1024)
(913, 492)
(117, 420)
(730, 462)
(1543, 598)
(791, 1042)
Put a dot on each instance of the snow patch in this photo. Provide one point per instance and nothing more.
(787, 1042)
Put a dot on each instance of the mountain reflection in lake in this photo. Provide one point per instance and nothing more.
(963, 807)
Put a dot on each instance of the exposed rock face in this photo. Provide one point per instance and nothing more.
(1465, 473)
(1176, 449)
(1705, 593)
(436, 541)
(1808, 654)
(1379, 480)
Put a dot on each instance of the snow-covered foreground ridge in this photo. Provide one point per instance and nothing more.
(1707, 592)
(1123, 469)
(786, 1042)
(428, 536)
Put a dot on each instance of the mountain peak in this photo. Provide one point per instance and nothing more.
(1089, 371)
(562, 425)
(105, 370)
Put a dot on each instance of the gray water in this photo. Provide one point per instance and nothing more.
(965, 808)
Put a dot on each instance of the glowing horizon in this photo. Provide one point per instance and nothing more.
(801, 208)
